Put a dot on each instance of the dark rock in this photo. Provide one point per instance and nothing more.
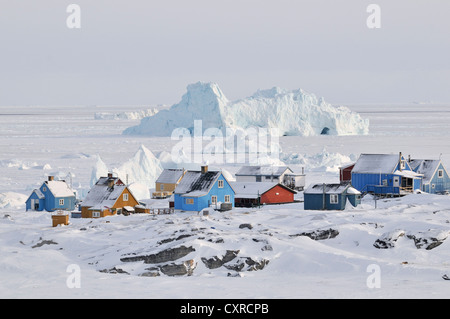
(170, 254)
(216, 262)
(185, 268)
(388, 240)
(320, 234)
(44, 242)
(247, 264)
(249, 226)
(426, 242)
(114, 270)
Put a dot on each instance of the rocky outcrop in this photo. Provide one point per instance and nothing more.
(388, 240)
(185, 268)
(428, 240)
(170, 254)
(320, 234)
(422, 240)
(216, 262)
(247, 264)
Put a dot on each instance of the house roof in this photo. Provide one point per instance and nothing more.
(59, 188)
(331, 189)
(426, 167)
(376, 163)
(170, 176)
(262, 170)
(253, 189)
(101, 195)
(196, 183)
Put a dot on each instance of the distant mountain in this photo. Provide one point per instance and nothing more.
(295, 112)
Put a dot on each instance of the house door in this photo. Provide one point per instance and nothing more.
(34, 204)
(396, 181)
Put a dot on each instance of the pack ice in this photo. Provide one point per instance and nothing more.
(292, 112)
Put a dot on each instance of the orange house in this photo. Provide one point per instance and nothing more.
(109, 196)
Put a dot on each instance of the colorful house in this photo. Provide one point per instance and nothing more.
(167, 182)
(251, 194)
(109, 196)
(51, 196)
(435, 177)
(202, 189)
(330, 197)
(385, 174)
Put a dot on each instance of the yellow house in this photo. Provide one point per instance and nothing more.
(109, 196)
(167, 181)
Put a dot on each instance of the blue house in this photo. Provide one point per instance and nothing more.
(51, 196)
(330, 197)
(202, 189)
(435, 177)
(385, 174)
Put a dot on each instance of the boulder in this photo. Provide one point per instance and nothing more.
(428, 240)
(216, 262)
(183, 269)
(388, 240)
(319, 234)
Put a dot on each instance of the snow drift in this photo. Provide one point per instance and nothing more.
(293, 112)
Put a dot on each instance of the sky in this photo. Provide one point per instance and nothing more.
(145, 52)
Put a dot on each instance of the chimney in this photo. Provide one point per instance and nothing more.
(204, 169)
(110, 175)
(51, 178)
(111, 182)
(400, 161)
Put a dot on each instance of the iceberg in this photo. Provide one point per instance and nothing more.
(290, 112)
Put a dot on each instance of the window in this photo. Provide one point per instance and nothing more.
(125, 197)
(161, 187)
(220, 183)
(213, 200)
(95, 214)
(61, 202)
(402, 164)
(44, 189)
(433, 186)
(189, 201)
(385, 183)
(440, 173)
(334, 199)
(227, 198)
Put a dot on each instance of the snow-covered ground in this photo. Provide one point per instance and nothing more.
(68, 141)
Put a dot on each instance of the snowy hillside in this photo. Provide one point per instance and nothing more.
(272, 252)
(291, 112)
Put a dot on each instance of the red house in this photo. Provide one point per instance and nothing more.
(345, 173)
(249, 194)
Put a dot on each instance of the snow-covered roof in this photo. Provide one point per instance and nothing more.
(408, 174)
(253, 189)
(59, 188)
(171, 176)
(198, 182)
(331, 189)
(426, 167)
(376, 163)
(262, 170)
(101, 195)
(39, 193)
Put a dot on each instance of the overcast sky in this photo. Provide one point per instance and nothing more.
(146, 52)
